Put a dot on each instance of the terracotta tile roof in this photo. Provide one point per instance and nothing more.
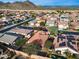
(40, 36)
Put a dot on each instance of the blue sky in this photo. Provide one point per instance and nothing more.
(50, 2)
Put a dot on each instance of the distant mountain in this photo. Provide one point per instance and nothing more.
(26, 5)
(18, 5)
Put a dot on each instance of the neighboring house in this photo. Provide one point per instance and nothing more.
(37, 24)
(75, 25)
(77, 18)
(32, 23)
(63, 25)
(9, 38)
(17, 16)
(38, 18)
(64, 17)
(6, 19)
(23, 18)
(39, 37)
(2, 23)
(67, 41)
(26, 31)
(51, 21)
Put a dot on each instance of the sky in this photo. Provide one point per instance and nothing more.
(50, 2)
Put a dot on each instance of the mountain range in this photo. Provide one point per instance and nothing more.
(26, 5)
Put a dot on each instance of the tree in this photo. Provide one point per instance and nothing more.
(42, 23)
(48, 44)
(32, 48)
(53, 30)
(60, 12)
(1, 16)
(20, 42)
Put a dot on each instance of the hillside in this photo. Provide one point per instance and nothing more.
(26, 5)
(18, 5)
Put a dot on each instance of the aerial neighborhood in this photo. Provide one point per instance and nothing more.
(29, 31)
(31, 34)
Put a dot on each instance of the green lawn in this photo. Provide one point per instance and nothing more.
(53, 30)
(20, 42)
(48, 44)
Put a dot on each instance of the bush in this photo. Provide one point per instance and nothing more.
(31, 48)
(48, 44)
(20, 42)
(42, 23)
(77, 29)
(53, 30)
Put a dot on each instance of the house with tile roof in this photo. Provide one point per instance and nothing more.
(39, 37)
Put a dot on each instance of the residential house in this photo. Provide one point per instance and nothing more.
(75, 25)
(74, 21)
(67, 41)
(26, 31)
(9, 38)
(77, 18)
(32, 23)
(62, 25)
(51, 21)
(64, 17)
(39, 37)
(2, 24)
(6, 19)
